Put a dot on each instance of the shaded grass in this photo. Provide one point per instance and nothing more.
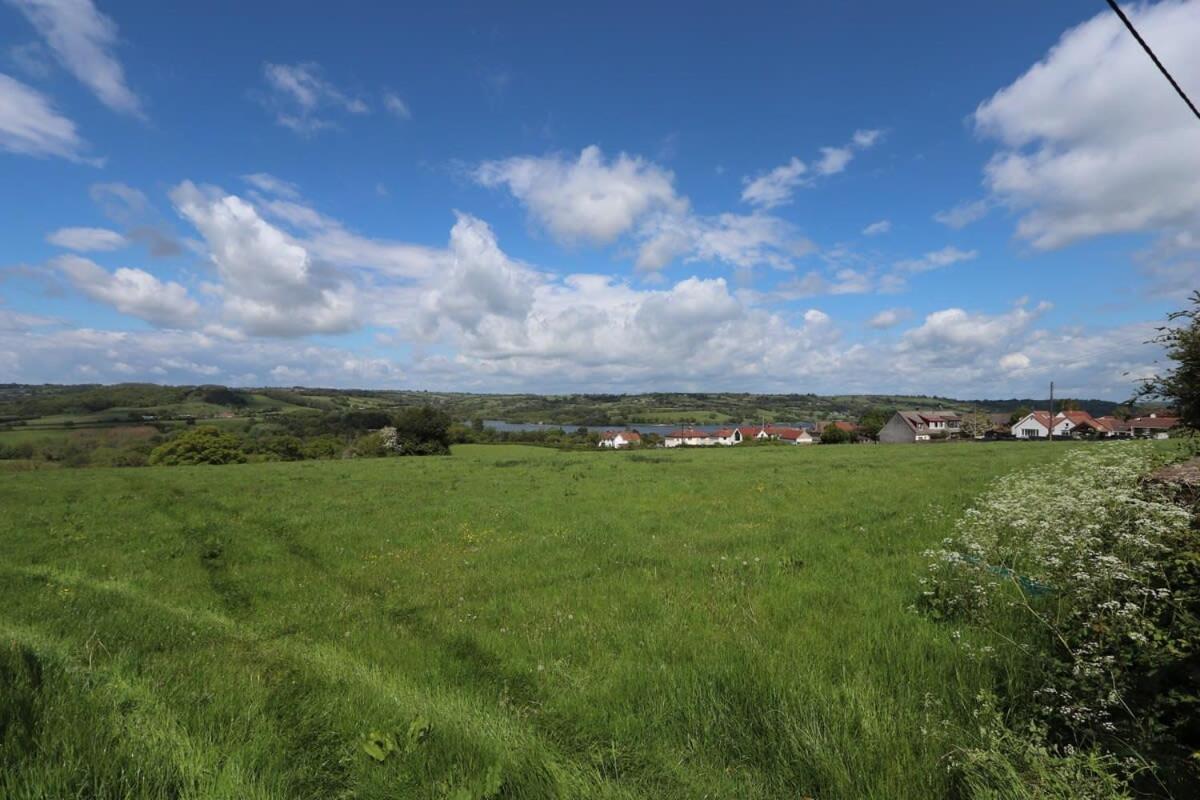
(722, 623)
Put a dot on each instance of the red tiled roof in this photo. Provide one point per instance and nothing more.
(629, 436)
(688, 433)
(791, 434)
(1157, 423)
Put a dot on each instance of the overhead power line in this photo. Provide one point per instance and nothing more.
(1113, 4)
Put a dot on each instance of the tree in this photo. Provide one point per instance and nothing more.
(975, 424)
(204, 445)
(1181, 385)
(873, 420)
(1018, 415)
(835, 435)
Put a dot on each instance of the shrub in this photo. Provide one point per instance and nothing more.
(835, 435)
(1089, 580)
(202, 445)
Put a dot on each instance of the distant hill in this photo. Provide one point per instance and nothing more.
(30, 401)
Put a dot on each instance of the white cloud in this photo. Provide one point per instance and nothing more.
(865, 138)
(86, 240)
(270, 283)
(1013, 362)
(83, 39)
(888, 318)
(775, 187)
(877, 228)
(396, 105)
(833, 160)
(936, 259)
(739, 240)
(963, 214)
(29, 124)
(954, 329)
(300, 94)
(174, 356)
(1094, 140)
(131, 291)
(268, 183)
(587, 199)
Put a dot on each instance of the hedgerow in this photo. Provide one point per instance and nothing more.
(1080, 582)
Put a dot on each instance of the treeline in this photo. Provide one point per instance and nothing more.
(293, 437)
(40, 401)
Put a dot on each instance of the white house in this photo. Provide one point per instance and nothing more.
(690, 437)
(728, 436)
(618, 439)
(1035, 425)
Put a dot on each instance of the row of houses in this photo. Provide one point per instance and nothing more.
(1074, 424)
(691, 437)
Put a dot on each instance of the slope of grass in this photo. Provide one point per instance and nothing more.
(652, 625)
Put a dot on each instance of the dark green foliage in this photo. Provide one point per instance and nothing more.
(202, 445)
(835, 435)
(1181, 385)
(873, 420)
(422, 431)
(221, 396)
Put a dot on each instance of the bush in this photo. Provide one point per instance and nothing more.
(835, 435)
(203, 445)
(1089, 581)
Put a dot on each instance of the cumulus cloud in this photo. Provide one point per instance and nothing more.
(193, 356)
(86, 240)
(888, 318)
(300, 96)
(965, 332)
(739, 240)
(1093, 140)
(30, 125)
(270, 283)
(587, 199)
(131, 291)
(83, 40)
(1013, 362)
(877, 228)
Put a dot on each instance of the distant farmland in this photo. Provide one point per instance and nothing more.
(508, 621)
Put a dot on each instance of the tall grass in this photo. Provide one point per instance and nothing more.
(692, 624)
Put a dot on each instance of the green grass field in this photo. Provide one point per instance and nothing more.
(667, 624)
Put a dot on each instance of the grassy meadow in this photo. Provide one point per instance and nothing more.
(509, 621)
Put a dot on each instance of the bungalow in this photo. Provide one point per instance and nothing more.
(1035, 425)
(919, 426)
(689, 437)
(1152, 427)
(1084, 424)
(618, 439)
(795, 436)
(1116, 426)
(728, 436)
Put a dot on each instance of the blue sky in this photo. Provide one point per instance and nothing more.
(970, 199)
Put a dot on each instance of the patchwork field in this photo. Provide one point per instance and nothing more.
(508, 621)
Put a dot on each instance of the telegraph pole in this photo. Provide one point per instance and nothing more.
(1051, 436)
